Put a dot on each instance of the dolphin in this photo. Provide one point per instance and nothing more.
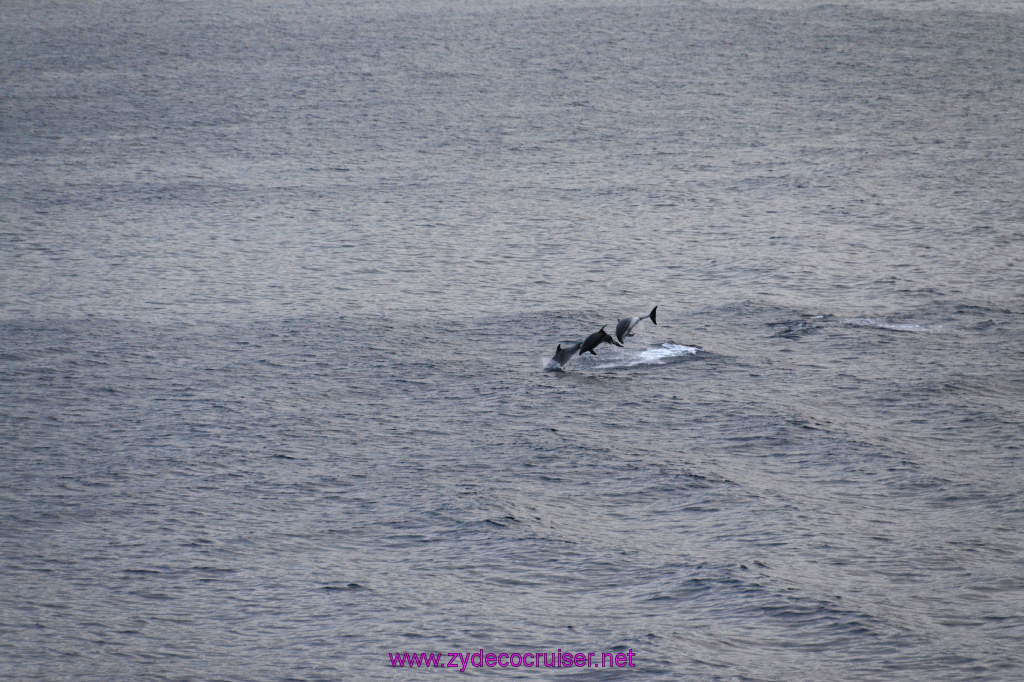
(563, 355)
(595, 340)
(625, 326)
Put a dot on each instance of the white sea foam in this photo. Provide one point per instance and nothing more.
(651, 355)
(893, 326)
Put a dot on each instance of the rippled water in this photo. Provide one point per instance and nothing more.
(280, 282)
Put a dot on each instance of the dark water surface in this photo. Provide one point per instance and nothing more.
(278, 283)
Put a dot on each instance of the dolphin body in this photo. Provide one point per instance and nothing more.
(595, 340)
(563, 355)
(625, 326)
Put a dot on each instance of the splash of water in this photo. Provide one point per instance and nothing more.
(660, 354)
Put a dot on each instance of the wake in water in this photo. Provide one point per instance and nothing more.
(808, 324)
(894, 325)
(658, 354)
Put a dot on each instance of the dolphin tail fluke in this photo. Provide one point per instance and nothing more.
(654, 315)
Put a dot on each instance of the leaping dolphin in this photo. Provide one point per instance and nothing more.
(625, 326)
(563, 355)
(595, 340)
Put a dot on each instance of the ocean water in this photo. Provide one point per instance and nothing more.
(279, 282)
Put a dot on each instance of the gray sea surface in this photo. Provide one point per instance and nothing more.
(280, 282)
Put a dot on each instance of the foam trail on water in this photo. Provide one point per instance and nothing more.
(893, 325)
(651, 355)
